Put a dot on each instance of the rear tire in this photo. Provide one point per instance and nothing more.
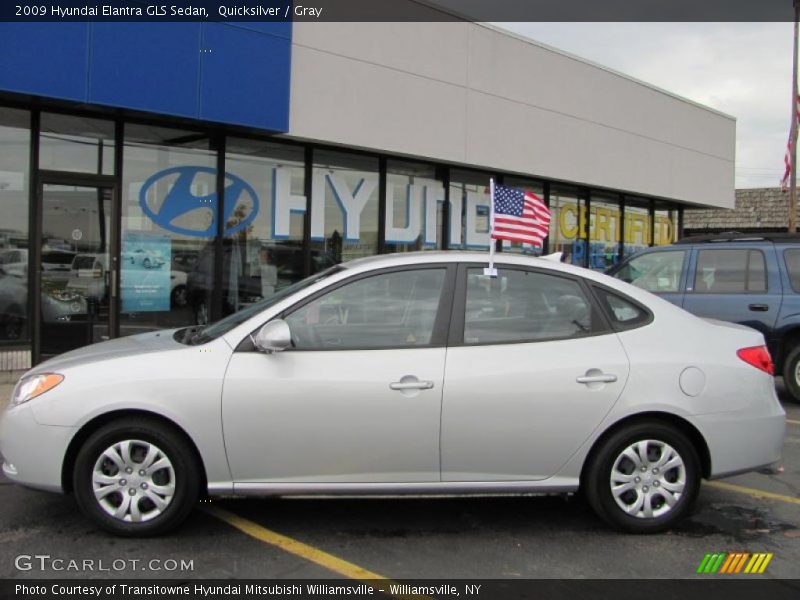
(644, 478)
(791, 373)
(136, 477)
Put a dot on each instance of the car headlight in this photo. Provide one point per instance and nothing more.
(30, 387)
(63, 295)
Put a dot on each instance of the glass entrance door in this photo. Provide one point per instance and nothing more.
(75, 267)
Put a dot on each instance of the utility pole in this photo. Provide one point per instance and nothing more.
(793, 132)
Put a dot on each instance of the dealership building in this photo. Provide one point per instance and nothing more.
(160, 175)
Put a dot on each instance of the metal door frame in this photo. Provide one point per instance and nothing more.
(46, 177)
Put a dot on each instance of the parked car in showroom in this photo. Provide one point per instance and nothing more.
(59, 306)
(574, 381)
(743, 278)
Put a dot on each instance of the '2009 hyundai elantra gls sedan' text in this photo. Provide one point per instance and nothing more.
(406, 374)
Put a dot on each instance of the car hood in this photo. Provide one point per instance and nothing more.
(143, 343)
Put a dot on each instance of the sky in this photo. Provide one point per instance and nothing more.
(741, 69)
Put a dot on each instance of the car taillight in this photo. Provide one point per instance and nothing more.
(757, 356)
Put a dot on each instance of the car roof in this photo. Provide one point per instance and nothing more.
(780, 237)
(461, 256)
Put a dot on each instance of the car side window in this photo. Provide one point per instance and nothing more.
(730, 270)
(655, 271)
(792, 259)
(390, 310)
(522, 305)
(622, 312)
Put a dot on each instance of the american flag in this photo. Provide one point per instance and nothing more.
(787, 158)
(519, 216)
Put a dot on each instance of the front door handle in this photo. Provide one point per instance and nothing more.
(601, 378)
(411, 385)
(758, 307)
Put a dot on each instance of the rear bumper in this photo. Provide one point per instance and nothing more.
(740, 442)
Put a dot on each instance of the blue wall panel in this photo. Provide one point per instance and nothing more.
(46, 59)
(146, 66)
(243, 77)
(218, 72)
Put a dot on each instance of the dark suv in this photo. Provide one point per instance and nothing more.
(749, 279)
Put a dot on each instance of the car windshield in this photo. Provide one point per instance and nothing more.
(223, 326)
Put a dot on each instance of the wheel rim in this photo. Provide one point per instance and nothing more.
(133, 481)
(648, 479)
(797, 373)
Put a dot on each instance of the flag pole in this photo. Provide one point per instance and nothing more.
(793, 133)
(491, 271)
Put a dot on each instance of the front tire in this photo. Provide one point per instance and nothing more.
(136, 477)
(644, 478)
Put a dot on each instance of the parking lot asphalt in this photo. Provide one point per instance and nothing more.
(474, 537)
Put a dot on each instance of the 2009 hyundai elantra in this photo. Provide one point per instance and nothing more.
(409, 373)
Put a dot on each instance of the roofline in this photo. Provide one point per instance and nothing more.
(591, 63)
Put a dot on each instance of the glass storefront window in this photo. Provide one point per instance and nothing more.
(169, 212)
(470, 205)
(344, 208)
(533, 187)
(77, 144)
(637, 226)
(568, 224)
(665, 226)
(14, 193)
(414, 202)
(265, 209)
(604, 231)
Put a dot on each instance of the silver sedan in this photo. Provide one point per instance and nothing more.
(406, 374)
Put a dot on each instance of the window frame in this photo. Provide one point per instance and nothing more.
(786, 251)
(600, 324)
(440, 326)
(748, 250)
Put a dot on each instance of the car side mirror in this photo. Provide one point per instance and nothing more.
(274, 336)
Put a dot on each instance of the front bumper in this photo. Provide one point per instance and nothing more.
(33, 454)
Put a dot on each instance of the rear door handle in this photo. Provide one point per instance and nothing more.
(758, 307)
(411, 385)
(602, 378)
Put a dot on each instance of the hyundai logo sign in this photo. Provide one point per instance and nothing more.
(170, 200)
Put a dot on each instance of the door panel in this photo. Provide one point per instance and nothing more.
(516, 412)
(528, 378)
(740, 285)
(330, 416)
(358, 398)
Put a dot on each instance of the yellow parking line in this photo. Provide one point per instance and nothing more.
(792, 422)
(323, 559)
(732, 487)
(298, 548)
